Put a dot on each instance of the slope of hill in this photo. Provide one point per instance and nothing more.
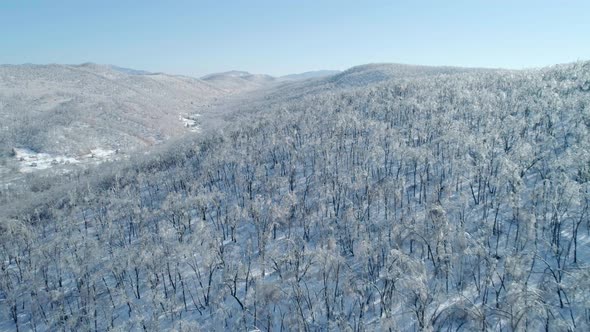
(130, 71)
(72, 109)
(432, 201)
(364, 76)
(375, 73)
(51, 113)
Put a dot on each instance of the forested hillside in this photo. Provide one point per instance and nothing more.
(453, 200)
(69, 109)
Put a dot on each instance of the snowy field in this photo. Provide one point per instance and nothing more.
(31, 161)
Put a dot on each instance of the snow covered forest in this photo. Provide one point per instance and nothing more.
(434, 200)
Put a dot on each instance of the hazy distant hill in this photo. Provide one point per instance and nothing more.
(238, 80)
(242, 80)
(130, 71)
(309, 74)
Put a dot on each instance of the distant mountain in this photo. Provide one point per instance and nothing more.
(237, 74)
(236, 81)
(130, 71)
(231, 73)
(71, 109)
(309, 74)
(104, 69)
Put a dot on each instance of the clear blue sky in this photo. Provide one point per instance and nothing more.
(280, 37)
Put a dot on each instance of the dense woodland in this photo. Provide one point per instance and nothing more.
(456, 201)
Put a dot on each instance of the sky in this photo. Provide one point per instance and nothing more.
(282, 37)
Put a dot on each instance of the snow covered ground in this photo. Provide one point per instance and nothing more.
(30, 161)
(190, 121)
(100, 154)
